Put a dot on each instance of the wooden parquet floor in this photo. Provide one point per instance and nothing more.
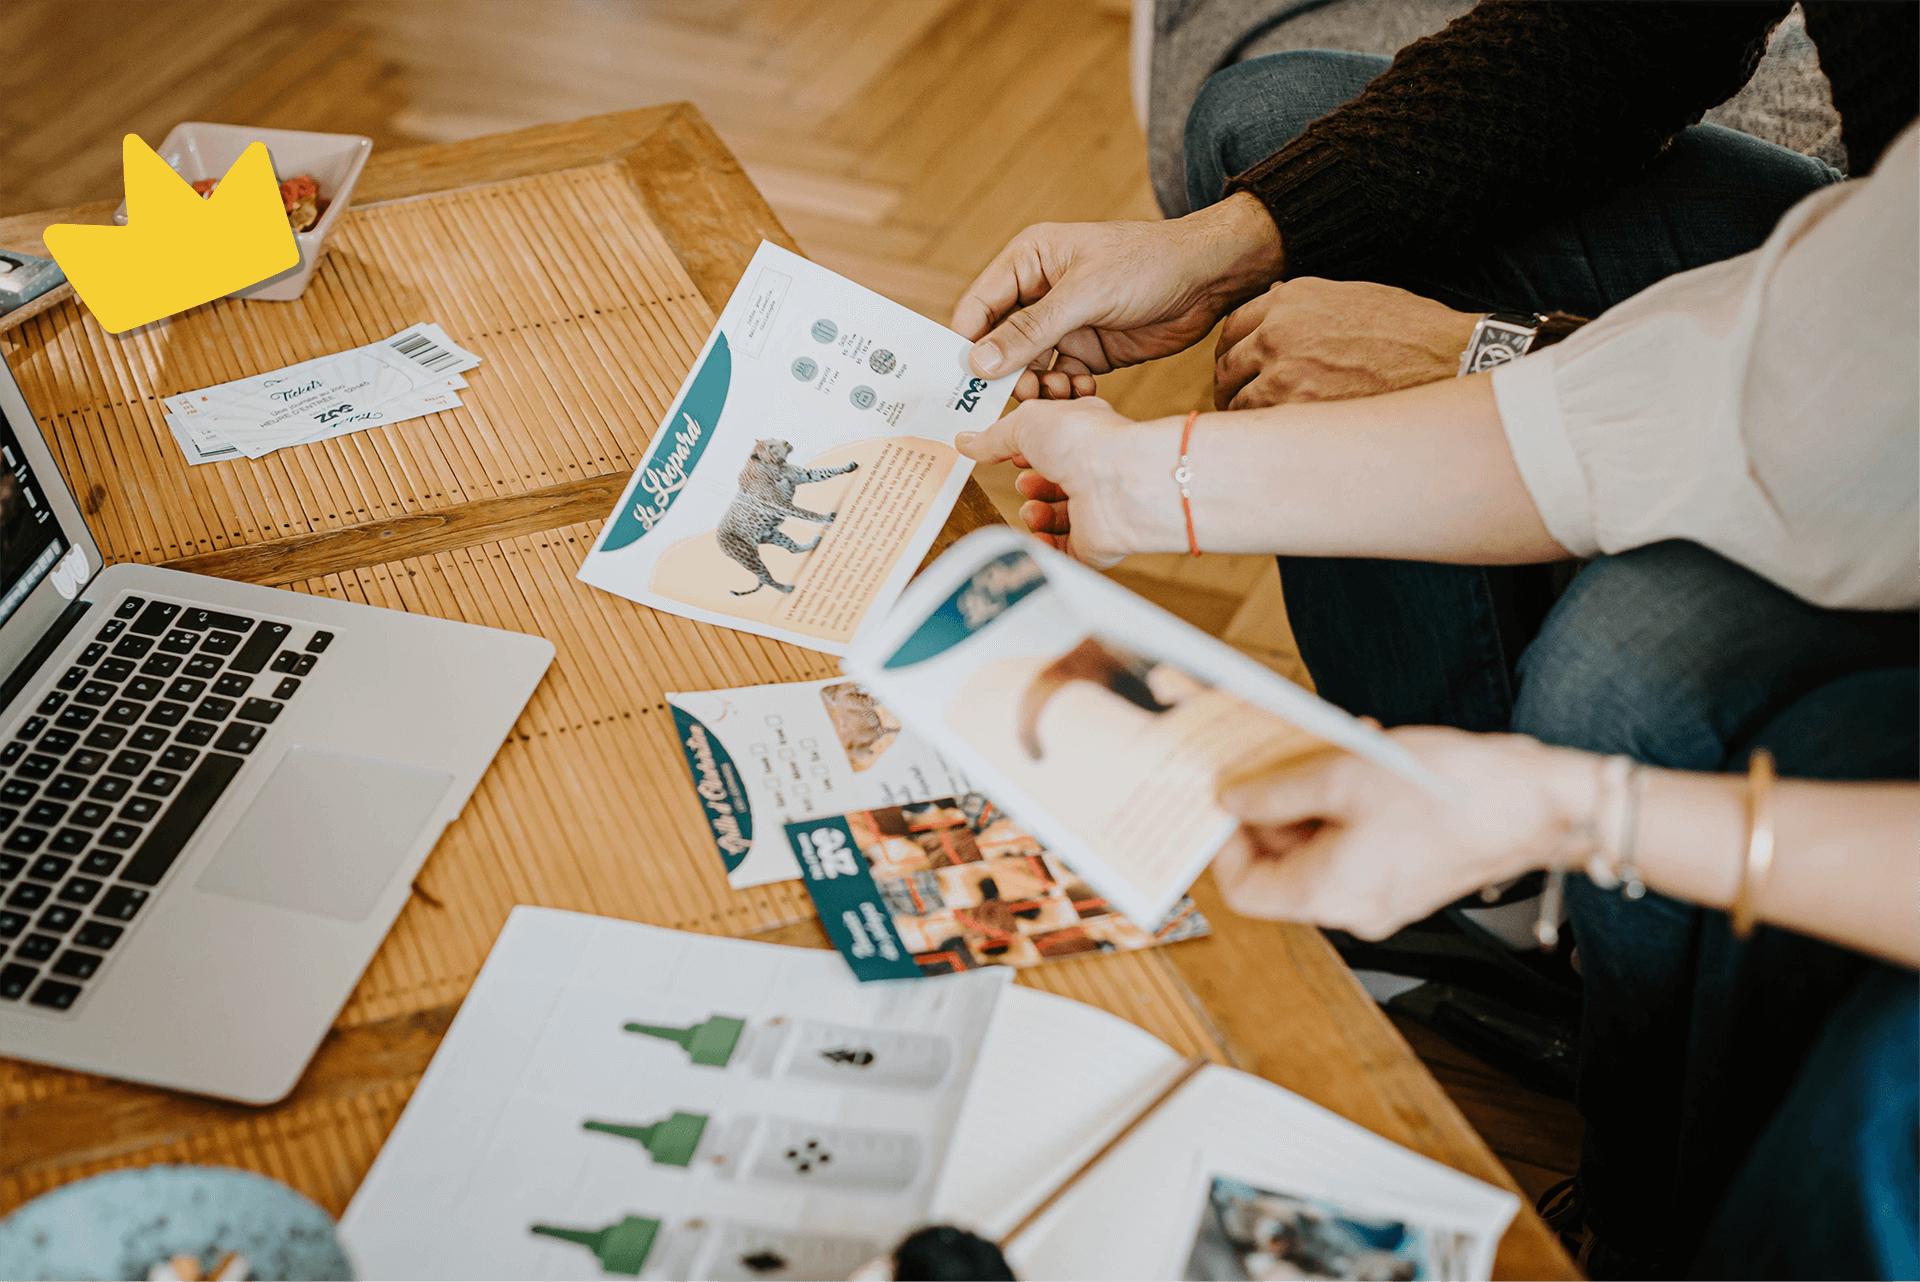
(902, 142)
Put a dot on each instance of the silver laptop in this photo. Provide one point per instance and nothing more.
(213, 796)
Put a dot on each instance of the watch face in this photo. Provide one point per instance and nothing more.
(1500, 340)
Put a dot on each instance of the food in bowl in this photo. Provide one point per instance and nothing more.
(300, 194)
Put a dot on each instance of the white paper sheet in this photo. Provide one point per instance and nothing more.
(805, 465)
(492, 1141)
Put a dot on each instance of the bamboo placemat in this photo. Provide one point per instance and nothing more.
(561, 282)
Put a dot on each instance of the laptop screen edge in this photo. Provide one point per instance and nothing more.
(22, 629)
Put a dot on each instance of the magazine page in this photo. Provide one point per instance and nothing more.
(1235, 1177)
(956, 883)
(614, 1098)
(763, 756)
(805, 466)
(1105, 723)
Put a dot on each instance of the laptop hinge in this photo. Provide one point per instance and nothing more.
(50, 640)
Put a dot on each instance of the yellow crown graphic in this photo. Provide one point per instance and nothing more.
(177, 250)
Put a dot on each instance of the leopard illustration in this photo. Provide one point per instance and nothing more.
(764, 503)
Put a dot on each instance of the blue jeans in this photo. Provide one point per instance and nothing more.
(1703, 1059)
(1773, 1080)
(1414, 643)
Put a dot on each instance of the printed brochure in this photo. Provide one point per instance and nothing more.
(805, 466)
(959, 884)
(1106, 724)
(761, 756)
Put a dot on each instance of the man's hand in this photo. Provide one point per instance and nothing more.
(1326, 340)
(1080, 479)
(1106, 295)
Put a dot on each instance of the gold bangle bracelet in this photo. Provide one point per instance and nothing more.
(1759, 860)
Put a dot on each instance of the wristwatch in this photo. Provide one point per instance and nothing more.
(1499, 337)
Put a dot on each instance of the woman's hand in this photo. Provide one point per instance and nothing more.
(1330, 340)
(1341, 842)
(1105, 295)
(1085, 489)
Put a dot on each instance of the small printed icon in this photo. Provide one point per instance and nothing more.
(825, 331)
(804, 368)
(177, 249)
(863, 397)
(882, 361)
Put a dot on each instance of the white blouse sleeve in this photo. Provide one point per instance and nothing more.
(1767, 407)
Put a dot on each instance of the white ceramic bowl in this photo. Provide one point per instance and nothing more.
(196, 150)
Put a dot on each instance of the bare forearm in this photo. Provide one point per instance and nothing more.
(1846, 866)
(1422, 474)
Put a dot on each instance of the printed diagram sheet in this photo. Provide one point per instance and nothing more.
(765, 756)
(621, 1099)
(805, 466)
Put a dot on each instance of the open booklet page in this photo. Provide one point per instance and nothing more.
(1233, 1177)
(805, 465)
(620, 1099)
(1106, 724)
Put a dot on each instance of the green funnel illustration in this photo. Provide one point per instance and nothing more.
(622, 1247)
(671, 1141)
(710, 1042)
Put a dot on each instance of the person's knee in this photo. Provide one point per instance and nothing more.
(1620, 666)
(1250, 110)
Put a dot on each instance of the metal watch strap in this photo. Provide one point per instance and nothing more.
(1499, 337)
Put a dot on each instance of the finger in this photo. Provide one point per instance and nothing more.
(1284, 888)
(993, 293)
(1085, 346)
(1034, 329)
(1056, 385)
(1288, 794)
(999, 442)
(1027, 386)
(1246, 318)
(1231, 372)
(1045, 518)
(1032, 485)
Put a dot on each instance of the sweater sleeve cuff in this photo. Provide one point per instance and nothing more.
(1319, 206)
(1529, 404)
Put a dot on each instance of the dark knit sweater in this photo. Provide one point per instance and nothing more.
(1522, 111)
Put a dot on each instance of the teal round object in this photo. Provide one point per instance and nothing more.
(882, 361)
(804, 368)
(825, 331)
(862, 397)
(121, 1224)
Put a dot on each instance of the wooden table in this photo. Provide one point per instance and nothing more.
(1273, 999)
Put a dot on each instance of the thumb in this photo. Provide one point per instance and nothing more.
(1288, 793)
(999, 441)
(1028, 334)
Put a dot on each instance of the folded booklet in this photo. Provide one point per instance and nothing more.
(1106, 724)
(1230, 1177)
(805, 466)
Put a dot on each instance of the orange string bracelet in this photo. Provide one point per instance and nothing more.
(1181, 476)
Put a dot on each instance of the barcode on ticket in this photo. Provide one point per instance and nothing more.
(423, 351)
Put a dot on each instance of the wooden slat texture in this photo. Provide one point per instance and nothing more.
(560, 282)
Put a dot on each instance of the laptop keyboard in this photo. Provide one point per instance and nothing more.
(105, 783)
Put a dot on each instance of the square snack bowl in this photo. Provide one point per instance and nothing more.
(196, 150)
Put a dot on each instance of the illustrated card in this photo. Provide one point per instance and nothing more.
(805, 466)
(761, 756)
(953, 884)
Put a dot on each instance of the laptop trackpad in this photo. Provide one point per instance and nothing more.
(326, 833)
